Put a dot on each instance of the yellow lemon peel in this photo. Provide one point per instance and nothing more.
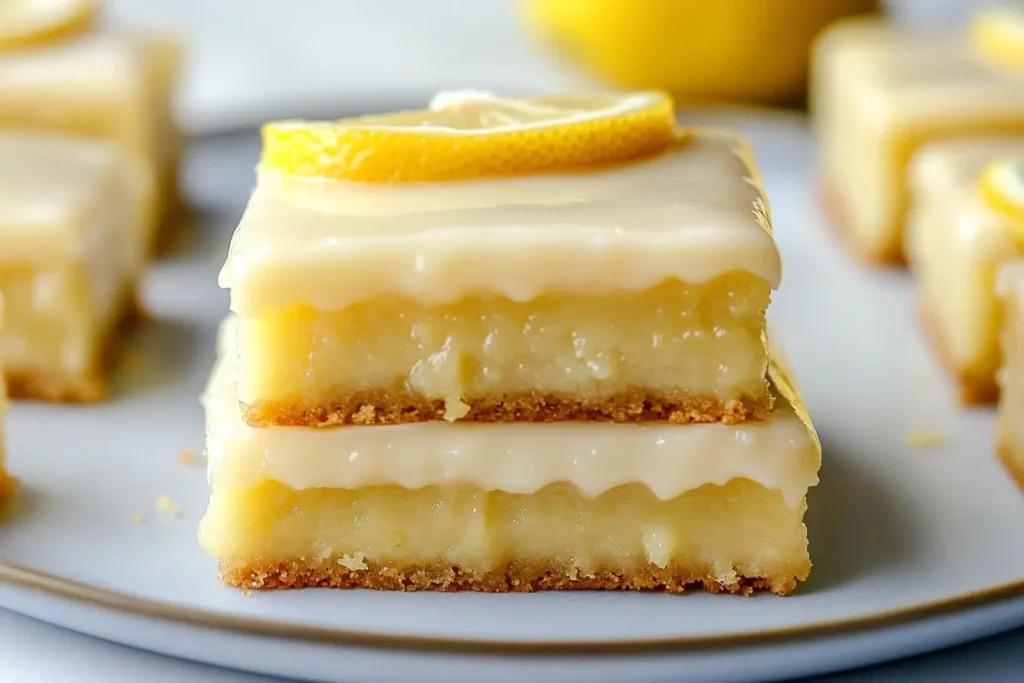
(465, 135)
(1001, 185)
(998, 34)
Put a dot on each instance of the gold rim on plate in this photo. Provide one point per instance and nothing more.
(94, 596)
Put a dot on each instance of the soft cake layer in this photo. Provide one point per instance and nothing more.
(955, 245)
(1011, 378)
(509, 506)
(60, 331)
(72, 253)
(103, 86)
(459, 537)
(679, 352)
(690, 214)
(878, 93)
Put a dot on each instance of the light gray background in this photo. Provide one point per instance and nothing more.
(252, 60)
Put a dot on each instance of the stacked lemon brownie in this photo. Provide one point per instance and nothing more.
(880, 92)
(57, 74)
(505, 345)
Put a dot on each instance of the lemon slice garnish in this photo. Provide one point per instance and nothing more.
(998, 33)
(1002, 187)
(470, 134)
(26, 23)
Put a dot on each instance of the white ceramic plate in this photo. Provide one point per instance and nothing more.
(913, 549)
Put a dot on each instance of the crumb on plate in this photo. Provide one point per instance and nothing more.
(925, 438)
(165, 505)
(188, 457)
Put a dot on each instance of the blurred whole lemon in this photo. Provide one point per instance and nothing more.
(736, 50)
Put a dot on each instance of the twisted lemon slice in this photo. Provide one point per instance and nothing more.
(467, 135)
(998, 33)
(1002, 186)
(25, 23)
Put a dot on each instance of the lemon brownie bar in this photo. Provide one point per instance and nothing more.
(1010, 439)
(113, 87)
(71, 256)
(879, 92)
(508, 507)
(624, 292)
(957, 237)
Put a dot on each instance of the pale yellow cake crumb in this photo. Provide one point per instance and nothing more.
(455, 410)
(925, 438)
(353, 562)
(165, 505)
(188, 457)
(365, 415)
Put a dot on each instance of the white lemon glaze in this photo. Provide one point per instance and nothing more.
(692, 213)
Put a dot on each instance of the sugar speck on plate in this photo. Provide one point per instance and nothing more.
(188, 457)
(925, 438)
(166, 506)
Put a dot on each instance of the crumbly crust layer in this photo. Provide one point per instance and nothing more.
(975, 387)
(7, 485)
(383, 408)
(522, 577)
(56, 387)
(838, 218)
(89, 386)
(1012, 461)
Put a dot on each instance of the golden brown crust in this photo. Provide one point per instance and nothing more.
(383, 407)
(89, 386)
(838, 218)
(57, 387)
(517, 577)
(7, 485)
(975, 387)
(1012, 461)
